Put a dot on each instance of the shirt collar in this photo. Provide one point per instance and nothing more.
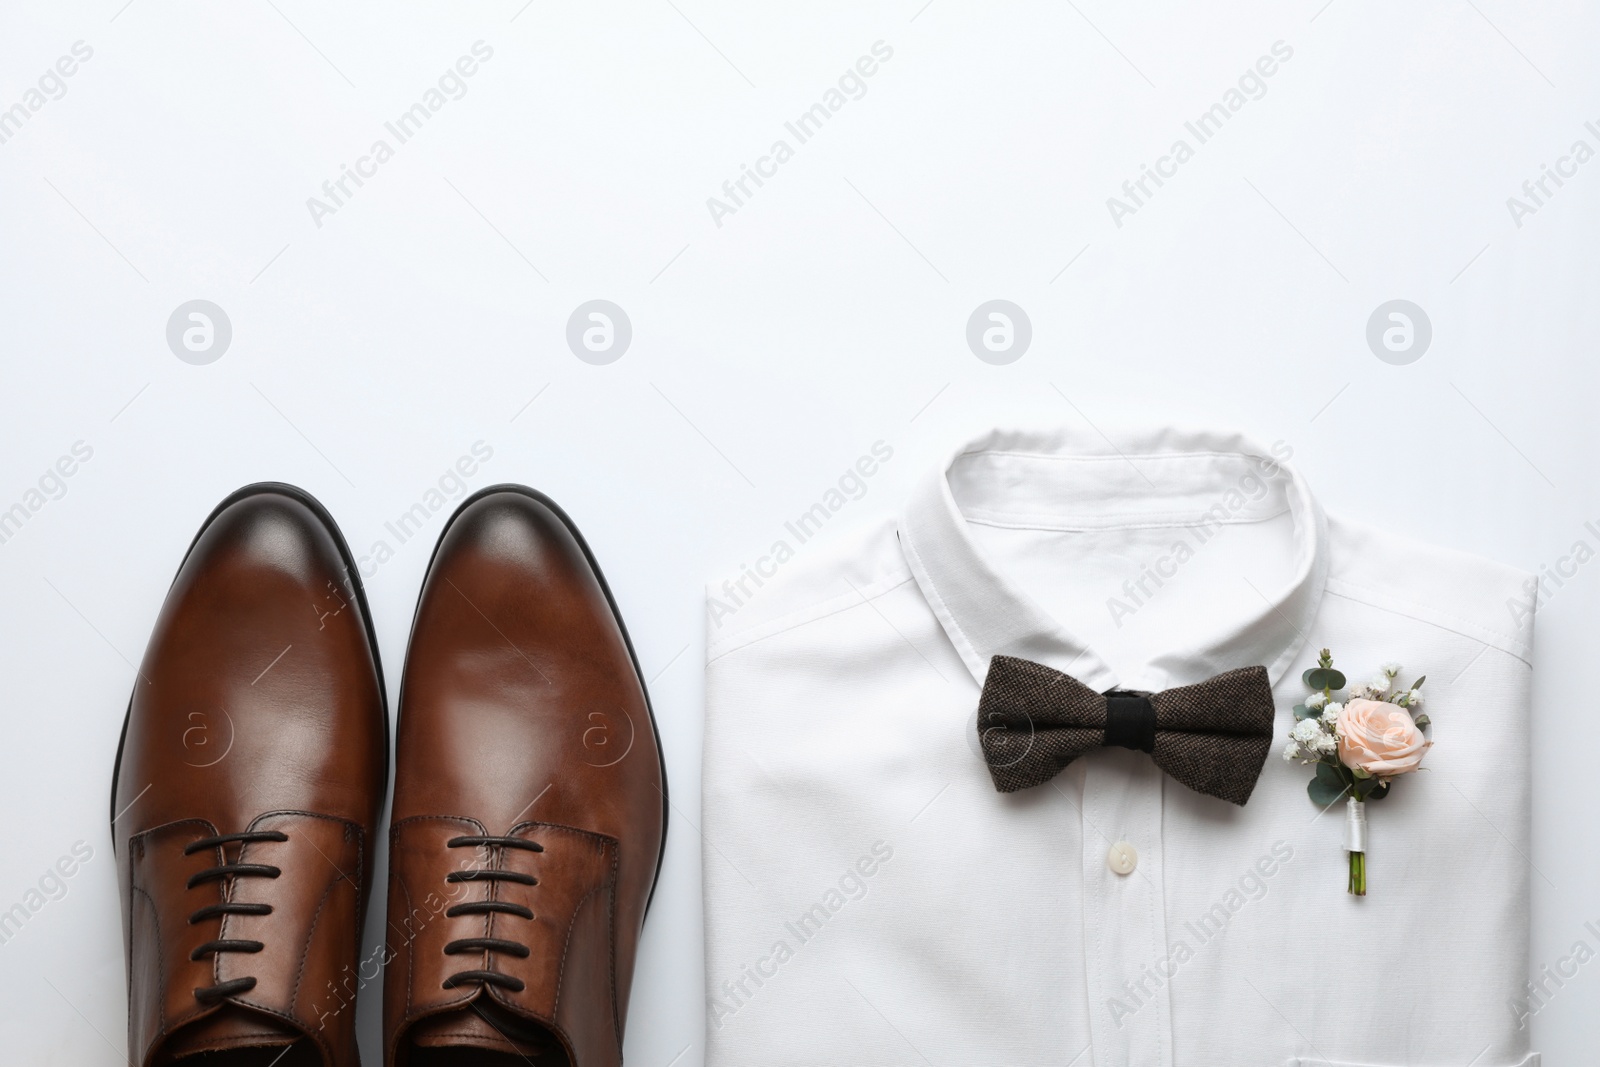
(1155, 475)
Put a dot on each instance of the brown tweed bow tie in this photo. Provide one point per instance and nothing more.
(1212, 736)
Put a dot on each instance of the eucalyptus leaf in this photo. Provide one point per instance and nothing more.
(1306, 677)
(1330, 775)
(1303, 712)
(1379, 792)
(1335, 680)
(1323, 794)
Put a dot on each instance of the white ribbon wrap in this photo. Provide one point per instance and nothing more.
(1355, 826)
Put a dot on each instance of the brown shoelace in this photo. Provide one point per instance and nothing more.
(213, 993)
(489, 907)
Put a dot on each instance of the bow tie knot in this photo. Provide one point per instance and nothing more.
(1212, 736)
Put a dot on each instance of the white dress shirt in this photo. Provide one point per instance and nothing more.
(871, 899)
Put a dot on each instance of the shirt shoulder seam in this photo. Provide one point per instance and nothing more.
(1444, 620)
(799, 617)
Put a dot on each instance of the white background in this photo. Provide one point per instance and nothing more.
(768, 353)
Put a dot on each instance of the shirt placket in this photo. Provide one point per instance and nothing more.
(1124, 913)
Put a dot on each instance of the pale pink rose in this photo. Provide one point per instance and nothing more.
(1379, 738)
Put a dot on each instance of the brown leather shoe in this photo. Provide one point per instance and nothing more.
(529, 806)
(248, 785)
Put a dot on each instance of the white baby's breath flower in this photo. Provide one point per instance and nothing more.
(1326, 745)
(1330, 714)
(1413, 698)
(1316, 700)
(1391, 669)
(1307, 731)
(1291, 752)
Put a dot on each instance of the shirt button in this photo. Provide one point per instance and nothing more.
(1122, 858)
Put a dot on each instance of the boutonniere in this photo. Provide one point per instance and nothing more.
(1359, 744)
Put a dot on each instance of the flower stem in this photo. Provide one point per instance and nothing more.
(1358, 874)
